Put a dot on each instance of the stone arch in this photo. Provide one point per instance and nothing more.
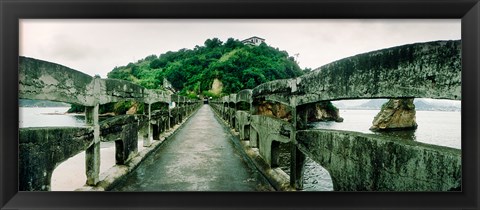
(233, 122)
(225, 110)
(66, 169)
(317, 182)
(275, 154)
(36, 164)
(246, 132)
(271, 148)
(156, 131)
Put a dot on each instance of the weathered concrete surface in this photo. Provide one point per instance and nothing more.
(175, 115)
(127, 145)
(244, 96)
(232, 98)
(123, 130)
(44, 80)
(178, 99)
(362, 162)
(152, 96)
(277, 86)
(424, 70)
(113, 90)
(160, 122)
(243, 124)
(200, 157)
(396, 114)
(269, 129)
(276, 176)
(111, 128)
(43, 149)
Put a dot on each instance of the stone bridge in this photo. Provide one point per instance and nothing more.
(43, 149)
(355, 161)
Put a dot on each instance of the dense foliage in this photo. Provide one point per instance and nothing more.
(192, 71)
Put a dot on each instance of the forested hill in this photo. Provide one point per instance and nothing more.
(232, 65)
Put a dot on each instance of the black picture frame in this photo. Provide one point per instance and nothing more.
(11, 11)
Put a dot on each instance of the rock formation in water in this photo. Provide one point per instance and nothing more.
(323, 111)
(396, 114)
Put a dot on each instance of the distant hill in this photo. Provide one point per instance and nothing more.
(373, 104)
(437, 105)
(40, 103)
(214, 69)
(420, 104)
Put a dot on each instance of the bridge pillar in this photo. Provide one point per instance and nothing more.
(297, 167)
(169, 118)
(127, 146)
(297, 158)
(92, 153)
(148, 141)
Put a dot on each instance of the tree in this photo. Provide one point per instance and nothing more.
(212, 43)
(232, 44)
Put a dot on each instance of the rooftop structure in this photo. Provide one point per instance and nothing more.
(254, 40)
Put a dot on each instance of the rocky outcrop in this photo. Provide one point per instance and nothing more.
(217, 86)
(277, 110)
(323, 111)
(396, 114)
(133, 109)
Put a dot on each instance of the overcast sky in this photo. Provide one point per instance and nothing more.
(97, 46)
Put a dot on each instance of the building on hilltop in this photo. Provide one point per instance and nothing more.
(254, 40)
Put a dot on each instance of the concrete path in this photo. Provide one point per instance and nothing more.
(199, 157)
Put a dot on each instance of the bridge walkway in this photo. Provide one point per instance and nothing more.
(199, 157)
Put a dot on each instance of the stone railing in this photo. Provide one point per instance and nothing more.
(43, 149)
(275, 121)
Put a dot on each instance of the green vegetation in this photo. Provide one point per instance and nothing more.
(192, 71)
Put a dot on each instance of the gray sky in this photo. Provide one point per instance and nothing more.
(97, 46)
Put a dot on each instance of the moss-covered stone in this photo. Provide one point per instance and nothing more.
(41, 150)
(362, 162)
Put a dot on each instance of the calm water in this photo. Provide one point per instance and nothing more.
(434, 127)
(48, 117)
